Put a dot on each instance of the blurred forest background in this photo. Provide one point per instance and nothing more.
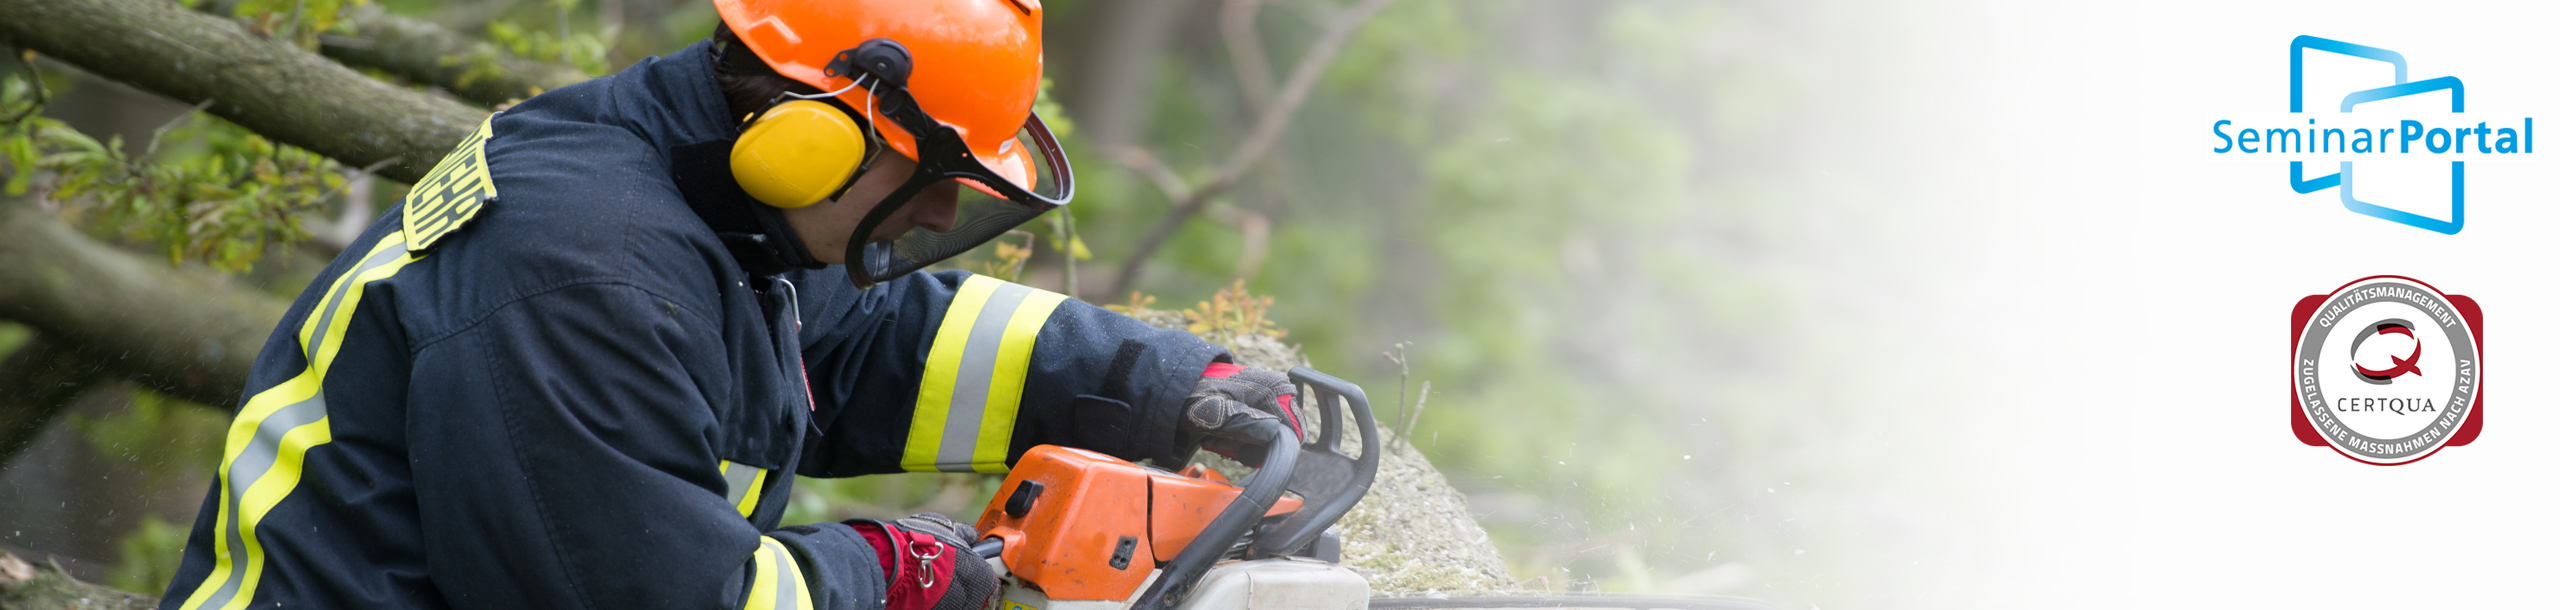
(1586, 224)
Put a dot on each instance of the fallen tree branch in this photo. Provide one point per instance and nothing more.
(188, 334)
(30, 586)
(267, 85)
(37, 383)
(424, 52)
(193, 335)
(1266, 132)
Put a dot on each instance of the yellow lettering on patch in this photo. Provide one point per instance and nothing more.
(451, 193)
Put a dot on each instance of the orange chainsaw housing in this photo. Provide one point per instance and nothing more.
(1066, 540)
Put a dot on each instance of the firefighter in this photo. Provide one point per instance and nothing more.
(580, 365)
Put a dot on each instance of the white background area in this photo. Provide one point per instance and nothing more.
(2084, 314)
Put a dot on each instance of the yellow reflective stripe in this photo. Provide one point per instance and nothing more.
(1013, 365)
(264, 449)
(971, 393)
(778, 583)
(941, 370)
(328, 323)
(228, 538)
(746, 484)
(754, 490)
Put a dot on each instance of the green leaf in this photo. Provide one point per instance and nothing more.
(22, 164)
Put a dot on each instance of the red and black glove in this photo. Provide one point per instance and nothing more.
(1237, 412)
(927, 561)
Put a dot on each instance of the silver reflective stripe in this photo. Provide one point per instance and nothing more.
(741, 477)
(786, 592)
(320, 336)
(960, 428)
(254, 460)
(252, 464)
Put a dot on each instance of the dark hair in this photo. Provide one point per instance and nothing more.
(745, 80)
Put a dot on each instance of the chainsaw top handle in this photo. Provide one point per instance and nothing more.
(1324, 477)
(1328, 479)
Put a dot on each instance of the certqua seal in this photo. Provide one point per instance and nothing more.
(2386, 370)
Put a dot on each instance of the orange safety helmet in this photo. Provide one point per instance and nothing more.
(976, 63)
(948, 83)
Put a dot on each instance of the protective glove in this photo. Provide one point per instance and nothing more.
(1237, 412)
(927, 560)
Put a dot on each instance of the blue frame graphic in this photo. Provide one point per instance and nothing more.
(2399, 75)
(2347, 185)
(2344, 179)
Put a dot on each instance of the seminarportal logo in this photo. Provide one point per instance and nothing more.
(2361, 107)
(2386, 370)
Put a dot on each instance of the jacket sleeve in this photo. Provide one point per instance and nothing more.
(956, 372)
(563, 458)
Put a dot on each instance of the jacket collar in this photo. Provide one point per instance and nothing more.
(674, 103)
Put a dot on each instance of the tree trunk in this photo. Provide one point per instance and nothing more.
(422, 52)
(191, 335)
(264, 84)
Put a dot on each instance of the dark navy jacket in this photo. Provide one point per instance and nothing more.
(561, 377)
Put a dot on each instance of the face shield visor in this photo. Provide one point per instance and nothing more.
(1026, 176)
(988, 203)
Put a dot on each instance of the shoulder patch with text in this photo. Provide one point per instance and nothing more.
(451, 193)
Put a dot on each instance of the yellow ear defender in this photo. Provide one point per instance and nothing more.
(797, 153)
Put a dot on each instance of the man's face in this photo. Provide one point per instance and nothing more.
(825, 227)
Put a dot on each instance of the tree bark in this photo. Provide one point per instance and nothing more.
(425, 53)
(264, 84)
(191, 335)
(37, 383)
(30, 586)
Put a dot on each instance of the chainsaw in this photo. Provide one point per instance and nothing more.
(1071, 529)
